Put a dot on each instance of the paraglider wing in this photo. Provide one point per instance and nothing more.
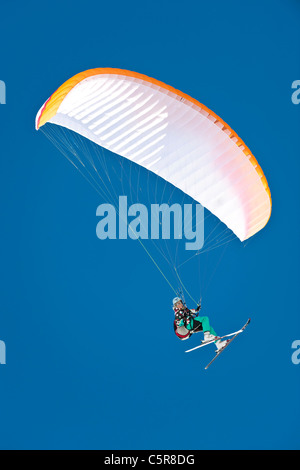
(170, 134)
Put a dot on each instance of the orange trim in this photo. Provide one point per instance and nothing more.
(51, 106)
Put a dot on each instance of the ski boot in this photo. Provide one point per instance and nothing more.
(221, 344)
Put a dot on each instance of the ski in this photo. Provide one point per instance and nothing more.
(229, 341)
(205, 343)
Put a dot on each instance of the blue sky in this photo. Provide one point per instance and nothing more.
(92, 361)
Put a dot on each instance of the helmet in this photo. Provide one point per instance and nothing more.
(175, 300)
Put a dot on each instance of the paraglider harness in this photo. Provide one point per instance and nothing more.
(182, 332)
